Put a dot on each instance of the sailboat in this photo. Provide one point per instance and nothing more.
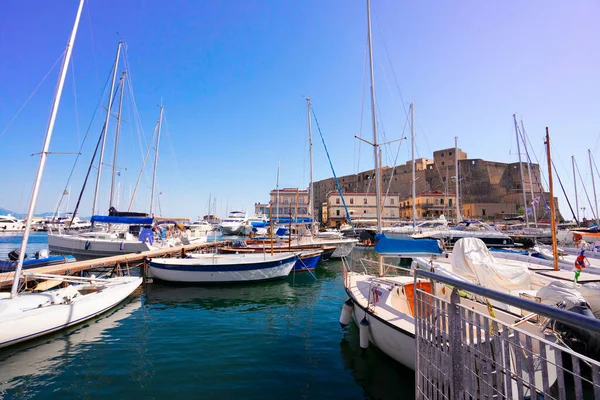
(25, 315)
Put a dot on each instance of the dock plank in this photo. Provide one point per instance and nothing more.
(6, 278)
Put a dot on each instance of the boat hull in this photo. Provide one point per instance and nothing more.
(186, 272)
(307, 261)
(30, 315)
(94, 247)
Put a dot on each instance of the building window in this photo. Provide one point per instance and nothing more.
(351, 200)
(301, 200)
(364, 211)
(483, 211)
(427, 201)
(442, 163)
(442, 155)
(285, 201)
(450, 202)
(442, 201)
(337, 201)
(449, 153)
(365, 200)
(393, 213)
(337, 212)
(391, 201)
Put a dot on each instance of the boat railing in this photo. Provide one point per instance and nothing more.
(466, 353)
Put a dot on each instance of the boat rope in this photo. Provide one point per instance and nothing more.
(585, 190)
(564, 192)
(523, 135)
(306, 267)
(60, 57)
(337, 183)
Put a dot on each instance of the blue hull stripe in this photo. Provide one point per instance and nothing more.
(222, 267)
(310, 263)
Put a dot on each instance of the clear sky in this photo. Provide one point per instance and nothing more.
(233, 76)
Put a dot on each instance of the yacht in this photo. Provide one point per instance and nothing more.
(236, 224)
(422, 228)
(9, 223)
(471, 229)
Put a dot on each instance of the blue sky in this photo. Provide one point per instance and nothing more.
(233, 76)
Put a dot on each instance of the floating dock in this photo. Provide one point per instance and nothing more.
(132, 260)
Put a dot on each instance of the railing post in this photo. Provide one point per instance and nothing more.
(456, 348)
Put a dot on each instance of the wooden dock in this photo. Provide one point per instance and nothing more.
(122, 260)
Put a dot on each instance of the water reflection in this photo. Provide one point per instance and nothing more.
(24, 364)
(380, 376)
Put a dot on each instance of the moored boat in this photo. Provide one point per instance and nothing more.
(223, 268)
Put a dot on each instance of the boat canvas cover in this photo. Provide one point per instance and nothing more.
(406, 246)
(471, 258)
(122, 220)
(558, 291)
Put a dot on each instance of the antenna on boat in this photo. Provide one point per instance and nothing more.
(44, 153)
(552, 211)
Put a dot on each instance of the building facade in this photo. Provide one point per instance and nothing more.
(429, 205)
(362, 208)
(487, 189)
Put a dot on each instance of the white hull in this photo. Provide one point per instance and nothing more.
(232, 229)
(343, 246)
(30, 315)
(222, 268)
(94, 246)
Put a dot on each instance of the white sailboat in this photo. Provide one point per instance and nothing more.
(25, 315)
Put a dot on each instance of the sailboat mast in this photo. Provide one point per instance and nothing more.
(533, 208)
(156, 157)
(44, 153)
(552, 211)
(414, 181)
(311, 200)
(521, 171)
(277, 189)
(575, 183)
(374, 118)
(110, 101)
(594, 188)
(114, 167)
(457, 183)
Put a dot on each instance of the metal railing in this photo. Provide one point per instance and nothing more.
(466, 349)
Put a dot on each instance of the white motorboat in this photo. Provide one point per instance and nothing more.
(471, 229)
(223, 268)
(9, 223)
(422, 229)
(25, 315)
(236, 224)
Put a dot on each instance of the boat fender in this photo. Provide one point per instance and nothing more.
(346, 314)
(122, 246)
(87, 245)
(364, 333)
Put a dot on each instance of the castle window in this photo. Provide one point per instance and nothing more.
(442, 155)
(442, 163)
(365, 200)
(337, 212)
(391, 201)
(337, 201)
(351, 200)
(449, 153)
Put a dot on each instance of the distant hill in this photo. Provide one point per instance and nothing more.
(4, 211)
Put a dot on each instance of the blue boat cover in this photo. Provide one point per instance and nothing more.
(406, 246)
(122, 220)
(300, 220)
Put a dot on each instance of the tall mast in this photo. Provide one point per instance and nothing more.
(110, 101)
(374, 117)
(458, 218)
(114, 167)
(414, 182)
(277, 189)
(575, 183)
(552, 211)
(156, 157)
(594, 187)
(521, 170)
(311, 200)
(529, 172)
(44, 153)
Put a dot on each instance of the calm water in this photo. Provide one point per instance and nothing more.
(277, 340)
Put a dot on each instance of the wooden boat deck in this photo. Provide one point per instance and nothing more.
(122, 259)
(570, 275)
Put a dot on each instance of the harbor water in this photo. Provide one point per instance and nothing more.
(274, 340)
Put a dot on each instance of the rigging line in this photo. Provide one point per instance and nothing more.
(93, 45)
(175, 163)
(142, 169)
(87, 132)
(391, 65)
(585, 190)
(131, 91)
(337, 183)
(395, 162)
(564, 192)
(76, 107)
(362, 105)
(523, 135)
(60, 57)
